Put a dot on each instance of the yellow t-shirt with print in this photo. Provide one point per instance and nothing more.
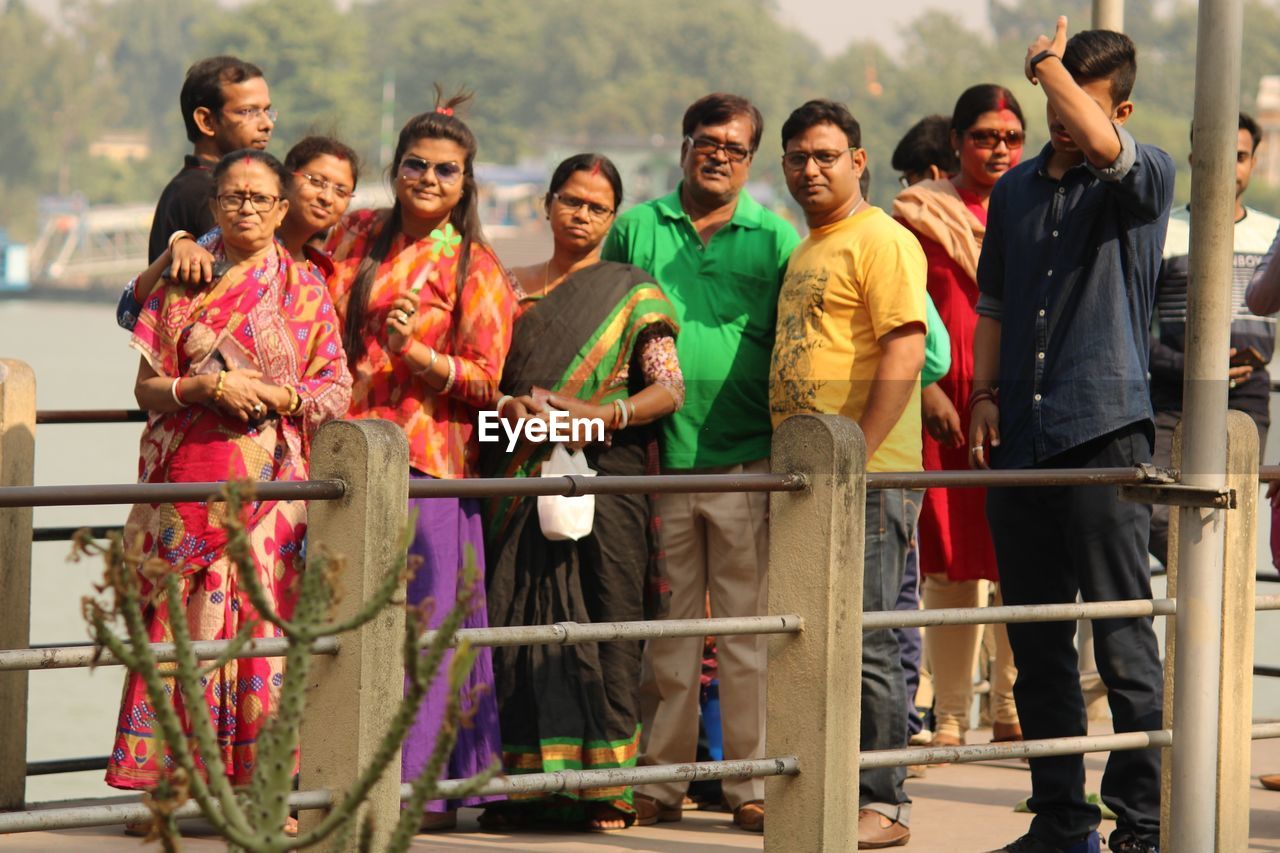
(847, 285)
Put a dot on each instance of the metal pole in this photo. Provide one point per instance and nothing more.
(1108, 15)
(1200, 539)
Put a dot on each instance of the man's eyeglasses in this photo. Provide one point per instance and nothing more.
(234, 202)
(795, 161)
(990, 139)
(321, 184)
(596, 211)
(733, 152)
(249, 114)
(414, 169)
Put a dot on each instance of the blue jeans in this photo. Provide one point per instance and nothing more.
(909, 640)
(890, 521)
(1052, 543)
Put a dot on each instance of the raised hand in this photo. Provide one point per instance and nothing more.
(1056, 45)
(192, 264)
(402, 320)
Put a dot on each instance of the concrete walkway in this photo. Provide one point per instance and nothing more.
(958, 809)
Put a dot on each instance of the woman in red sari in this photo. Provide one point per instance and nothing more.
(236, 378)
(949, 217)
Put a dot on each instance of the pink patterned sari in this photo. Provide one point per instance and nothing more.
(275, 317)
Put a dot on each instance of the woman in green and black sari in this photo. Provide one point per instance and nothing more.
(596, 339)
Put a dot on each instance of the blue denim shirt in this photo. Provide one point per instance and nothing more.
(1069, 269)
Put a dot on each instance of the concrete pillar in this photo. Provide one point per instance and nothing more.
(1235, 693)
(352, 696)
(815, 570)
(17, 468)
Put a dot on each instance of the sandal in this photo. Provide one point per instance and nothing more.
(439, 821)
(138, 828)
(650, 811)
(600, 814)
(749, 816)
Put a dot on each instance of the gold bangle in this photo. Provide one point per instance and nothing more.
(295, 401)
(217, 389)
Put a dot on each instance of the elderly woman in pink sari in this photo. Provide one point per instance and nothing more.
(236, 377)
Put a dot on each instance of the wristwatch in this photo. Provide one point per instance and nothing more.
(1041, 57)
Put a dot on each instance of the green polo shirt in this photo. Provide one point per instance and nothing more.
(726, 297)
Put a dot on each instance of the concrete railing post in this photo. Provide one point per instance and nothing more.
(17, 468)
(1235, 692)
(815, 570)
(353, 695)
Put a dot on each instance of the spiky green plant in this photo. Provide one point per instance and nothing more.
(252, 818)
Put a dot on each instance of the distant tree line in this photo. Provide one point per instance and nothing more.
(542, 71)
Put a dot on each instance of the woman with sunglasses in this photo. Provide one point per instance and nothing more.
(595, 339)
(236, 378)
(956, 555)
(426, 310)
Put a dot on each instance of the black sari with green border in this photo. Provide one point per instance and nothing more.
(574, 707)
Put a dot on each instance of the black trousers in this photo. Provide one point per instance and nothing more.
(1053, 543)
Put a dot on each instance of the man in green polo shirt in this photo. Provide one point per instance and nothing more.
(719, 256)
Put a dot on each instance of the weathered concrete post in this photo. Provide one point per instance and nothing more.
(353, 695)
(17, 468)
(1235, 694)
(815, 570)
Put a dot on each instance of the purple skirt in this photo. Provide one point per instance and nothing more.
(445, 527)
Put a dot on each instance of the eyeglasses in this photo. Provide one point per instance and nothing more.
(992, 138)
(733, 152)
(596, 211)
(320, 184)
(795, 161)
(249, 114)
(414, 169)
(234, 202)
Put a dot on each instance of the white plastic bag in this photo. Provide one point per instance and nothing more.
(563, 517)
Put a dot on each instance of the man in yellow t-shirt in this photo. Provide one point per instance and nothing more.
(850, 341)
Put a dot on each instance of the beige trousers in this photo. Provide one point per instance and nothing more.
(952, 652)
(715, 544)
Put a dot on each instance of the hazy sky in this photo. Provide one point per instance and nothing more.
(834, 23)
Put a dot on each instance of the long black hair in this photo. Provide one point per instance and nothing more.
(440, 123)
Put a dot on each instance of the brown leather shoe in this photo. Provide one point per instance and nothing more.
(750, 816)
(1270, 781)
(650, 811)
(875, 831)
(1005, 732)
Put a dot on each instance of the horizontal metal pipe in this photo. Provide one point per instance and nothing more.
(1268, 473)
(67, 657)
(1017, 749)
(128, 493)
(611, 485)
(572, 633)
(1266, 671)
(89, 416)
(881, 619)
(576, 780)
(50, 766)
(1267, 602)
(1018, 477)
(65, 534)
(77, 817)
(1265, 731)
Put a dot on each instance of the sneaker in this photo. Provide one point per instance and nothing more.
(1129, 844)
(1092, 843)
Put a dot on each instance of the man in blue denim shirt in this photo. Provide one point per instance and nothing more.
(1067, 279)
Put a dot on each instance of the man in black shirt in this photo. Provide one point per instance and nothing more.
(226, 106)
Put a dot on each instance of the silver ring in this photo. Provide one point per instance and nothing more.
(259, 409)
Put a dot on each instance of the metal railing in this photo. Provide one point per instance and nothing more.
(816, 542)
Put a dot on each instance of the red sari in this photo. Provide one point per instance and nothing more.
(953, 534)
(277, 318)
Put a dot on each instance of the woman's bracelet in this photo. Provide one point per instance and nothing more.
(173, 390)
(217, 389)
(295, 401)
(179, 235)
(453, 374)
(502, 401)
(623, 417)
(981, 394)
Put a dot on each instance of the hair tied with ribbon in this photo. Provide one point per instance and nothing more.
(445, 111)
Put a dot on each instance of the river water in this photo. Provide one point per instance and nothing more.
(82, 361)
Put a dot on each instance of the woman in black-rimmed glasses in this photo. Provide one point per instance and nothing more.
(596, 339)
(949, 217)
